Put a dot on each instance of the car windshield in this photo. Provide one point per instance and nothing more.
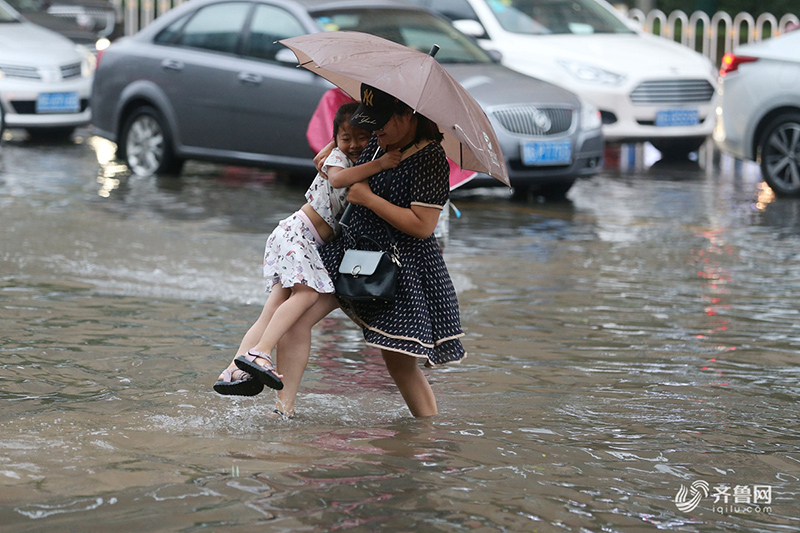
(27, 5)
(556, 17)
(415, 29)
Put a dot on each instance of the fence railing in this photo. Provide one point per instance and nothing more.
(713, 36)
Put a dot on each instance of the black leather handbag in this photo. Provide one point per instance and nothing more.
(368, 275)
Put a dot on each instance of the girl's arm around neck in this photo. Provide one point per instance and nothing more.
(345, 177)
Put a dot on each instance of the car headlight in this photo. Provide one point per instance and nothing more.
(88, 60)
(590, 117)
(591, 74)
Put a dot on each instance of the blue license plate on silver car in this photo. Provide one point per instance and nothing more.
(677, 117)
(547, 152)
(58, 103)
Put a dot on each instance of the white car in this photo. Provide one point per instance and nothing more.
(758, 117)
(647, 88)
(45, 79)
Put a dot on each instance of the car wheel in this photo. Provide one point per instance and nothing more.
(779, 153)
(678, 148)
(148, 144)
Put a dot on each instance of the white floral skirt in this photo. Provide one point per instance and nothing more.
(291, 257)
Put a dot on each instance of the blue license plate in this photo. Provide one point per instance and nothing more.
(677, 117)
(547, 152)
(58, 103)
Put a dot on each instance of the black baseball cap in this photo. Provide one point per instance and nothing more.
(375, 109)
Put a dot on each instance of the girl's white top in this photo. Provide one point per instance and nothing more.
(326, 200)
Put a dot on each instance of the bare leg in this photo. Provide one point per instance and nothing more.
(411, 382)
(301, 299)
(277, 296)
(294, 348)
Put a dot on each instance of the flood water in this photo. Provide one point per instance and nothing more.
(633, 361)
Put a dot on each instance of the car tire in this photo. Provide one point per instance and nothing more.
(147, 144)
(679, 148)
(779, 155)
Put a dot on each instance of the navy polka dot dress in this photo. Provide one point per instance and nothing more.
(424, 319)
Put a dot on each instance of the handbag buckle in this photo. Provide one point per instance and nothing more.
(356, 271)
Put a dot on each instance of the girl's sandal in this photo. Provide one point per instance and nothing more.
(265, 373)
(247, 386)
(277, 414)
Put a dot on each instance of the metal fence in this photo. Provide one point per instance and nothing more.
(712, 36)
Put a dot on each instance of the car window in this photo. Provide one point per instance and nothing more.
(6, 16)
(171, 32)
(215, 27)
(454, 9)
(415, 29)
(556, 16)
(269, 24)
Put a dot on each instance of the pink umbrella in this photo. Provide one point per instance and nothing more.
(348, 59)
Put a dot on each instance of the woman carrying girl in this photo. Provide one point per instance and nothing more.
(423, 322)
(296, 275)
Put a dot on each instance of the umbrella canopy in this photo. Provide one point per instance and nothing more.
(347, 59)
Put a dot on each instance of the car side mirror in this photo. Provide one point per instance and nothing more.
(496, 55)
(286, 56)
(472, 28)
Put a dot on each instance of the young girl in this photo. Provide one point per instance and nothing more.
(292, 265)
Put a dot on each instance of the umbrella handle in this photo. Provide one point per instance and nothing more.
(434, 49)
(344, 220)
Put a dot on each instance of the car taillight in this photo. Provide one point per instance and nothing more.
(730, 63)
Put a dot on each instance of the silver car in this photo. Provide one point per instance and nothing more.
(45, 79)
(208, 81)
(759, 109)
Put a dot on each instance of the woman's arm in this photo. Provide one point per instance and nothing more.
(417, 221)
(345, 177)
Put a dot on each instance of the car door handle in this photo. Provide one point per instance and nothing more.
(249, 77)
(171, 64)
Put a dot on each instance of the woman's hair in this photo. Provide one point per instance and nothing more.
(342, 116)
(427, 130)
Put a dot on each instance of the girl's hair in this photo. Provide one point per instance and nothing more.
(342, 117)
(427, 130)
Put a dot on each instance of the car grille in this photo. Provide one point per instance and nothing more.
(672, 92)
(70, 71)
(534, 120)
(12, 71)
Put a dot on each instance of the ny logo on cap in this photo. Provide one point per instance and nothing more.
(367, 98)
